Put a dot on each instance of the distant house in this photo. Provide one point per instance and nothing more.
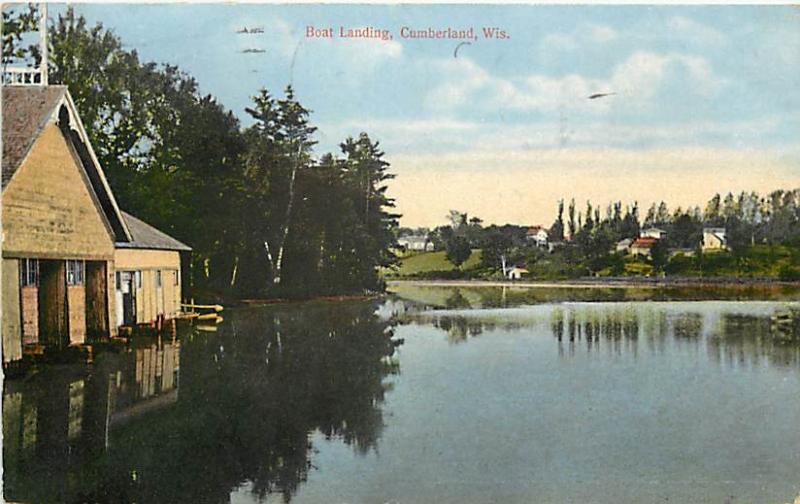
(714, 239)
(415, 243)
(643, 247)
(516, 272)
(537, 235)
(653, 232)
(623, 246)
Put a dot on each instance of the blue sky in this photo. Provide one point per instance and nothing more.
(707, 97)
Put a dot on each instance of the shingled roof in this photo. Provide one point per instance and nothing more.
(146, 236)
(26, 110)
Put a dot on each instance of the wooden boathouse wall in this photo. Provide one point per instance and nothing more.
(49, 210)
(11, 327)
(59, 208)
(51, 213)
(152, 301)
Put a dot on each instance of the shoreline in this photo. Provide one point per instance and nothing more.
(606, 283)
(322, 299)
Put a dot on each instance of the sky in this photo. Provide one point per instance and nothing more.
(707, 98)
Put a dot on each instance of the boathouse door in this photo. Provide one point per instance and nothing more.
(126, 298)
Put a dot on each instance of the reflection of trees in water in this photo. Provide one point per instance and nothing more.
(751, 341)
(578, 324)
(250, 395)
(457, 300)
(688, 325)
(734, 340)
(460, 329)
(622, 327)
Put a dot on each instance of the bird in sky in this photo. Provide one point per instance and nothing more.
(251, 30)
(599, 95)
(253, 50)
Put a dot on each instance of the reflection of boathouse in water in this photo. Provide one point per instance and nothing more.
(74, 266)
(63, 418)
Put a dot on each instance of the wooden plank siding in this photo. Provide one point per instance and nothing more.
(97, 313)
(12, 330)
(30, 314)
(57, 207)
(76, 307)
(49, 208)
(152, 301)
(53, 319)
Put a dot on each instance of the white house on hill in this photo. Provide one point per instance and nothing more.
(537, 235)
(415, 243)
(714, 239)
(516, 272)
(653, 232)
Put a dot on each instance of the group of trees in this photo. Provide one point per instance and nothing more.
(585, 239)
(748, 219)
(263, 214)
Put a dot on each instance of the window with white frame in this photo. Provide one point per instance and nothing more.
(29, 274)
(74, 272)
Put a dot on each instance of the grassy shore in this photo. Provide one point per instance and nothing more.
(758, 263)
(432, 262)
(602, 283)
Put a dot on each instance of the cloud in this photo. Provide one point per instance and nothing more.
(601, 33)
(691, 30)
(438, 135)
(583, 36)
(370, 52)
(558, 42)
(638, 80)
(462, 78)
(645, 75)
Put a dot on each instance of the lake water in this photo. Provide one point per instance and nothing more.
(432, 395)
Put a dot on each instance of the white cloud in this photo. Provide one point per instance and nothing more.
(370, 52)
(638, 80)
(582, 36)
(601, 33)
(696, 32)
(461, 78)
(415, 136)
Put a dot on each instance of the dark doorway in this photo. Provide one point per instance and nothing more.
(126, 298)
(53, 322)
(96, 300)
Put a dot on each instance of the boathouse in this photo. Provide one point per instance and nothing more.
(148, 274)
(66, 245)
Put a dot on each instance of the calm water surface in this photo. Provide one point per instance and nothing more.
(433, 395)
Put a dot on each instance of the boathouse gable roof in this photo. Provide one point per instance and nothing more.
(146, 236)
(26, 111)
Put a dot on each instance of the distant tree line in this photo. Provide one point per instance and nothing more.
(582, 241)
(264, 215)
